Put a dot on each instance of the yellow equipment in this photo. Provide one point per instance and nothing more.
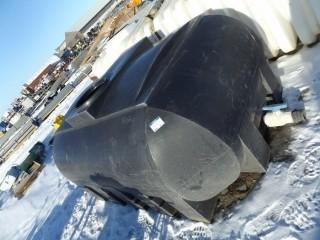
(134, 3)
(58, 121)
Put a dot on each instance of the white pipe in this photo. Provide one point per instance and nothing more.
(279, 118)
(257, 13)
(194, 8)
(283, 7)
(180, 13)
(315, 4)
(310, 16)
(299, 20)
(282, 29)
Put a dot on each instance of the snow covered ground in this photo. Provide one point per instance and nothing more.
(285, 204)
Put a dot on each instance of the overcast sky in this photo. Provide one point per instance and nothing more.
(30, 31)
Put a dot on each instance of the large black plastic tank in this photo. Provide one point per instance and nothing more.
(170, 126)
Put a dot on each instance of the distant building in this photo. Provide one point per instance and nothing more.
(15, 118)
(93, 16)
(77, 32)
(31, 87)
(71, 38)
(3, 126)
(27, 103)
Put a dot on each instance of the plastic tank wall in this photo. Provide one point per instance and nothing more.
(279, 22)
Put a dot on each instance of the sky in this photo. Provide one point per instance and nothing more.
(30, 30)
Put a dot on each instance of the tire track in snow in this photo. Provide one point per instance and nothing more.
(302, 213)
(306, 169)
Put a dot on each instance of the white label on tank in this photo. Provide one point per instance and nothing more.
(156, 124)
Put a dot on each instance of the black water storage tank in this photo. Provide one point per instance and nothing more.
(170, 126)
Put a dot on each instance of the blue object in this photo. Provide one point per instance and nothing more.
(275, 107)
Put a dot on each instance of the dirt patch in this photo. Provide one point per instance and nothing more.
(237, 191)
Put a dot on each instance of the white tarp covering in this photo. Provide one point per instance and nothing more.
(279, 22)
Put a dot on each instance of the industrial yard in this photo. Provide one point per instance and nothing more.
(39, 202)
(72, 63)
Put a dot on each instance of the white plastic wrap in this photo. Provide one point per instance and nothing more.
(279, 22)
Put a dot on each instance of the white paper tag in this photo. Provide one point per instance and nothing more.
(156, 124)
